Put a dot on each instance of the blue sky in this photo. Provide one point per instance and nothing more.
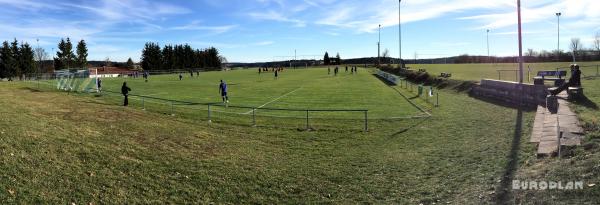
(265, 30)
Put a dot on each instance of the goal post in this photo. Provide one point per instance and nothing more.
(93, 74)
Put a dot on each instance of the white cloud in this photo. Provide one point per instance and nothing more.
(213, 29)
(276, 16)
(28, 4)
(585, 11)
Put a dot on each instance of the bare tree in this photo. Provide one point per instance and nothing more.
(575, 46)
(385, 55)
(40, 56)
(530, 53)
(597, 43)
(107, 62)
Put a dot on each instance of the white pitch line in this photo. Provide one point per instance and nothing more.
(274, 100)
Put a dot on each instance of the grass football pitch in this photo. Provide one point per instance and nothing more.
(297, 89)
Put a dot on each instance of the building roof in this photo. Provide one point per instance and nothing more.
(111, 70)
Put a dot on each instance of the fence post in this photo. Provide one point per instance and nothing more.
(437, 98)
(597, 66)
(366, 121)
(559, 137)
(172, 113)
(209, 121)
(307, 125)
(254, 117)
(143, 103)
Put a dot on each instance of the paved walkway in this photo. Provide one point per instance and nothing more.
(547, 125)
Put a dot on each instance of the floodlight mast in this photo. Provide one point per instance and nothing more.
(399, 34)
(520, 43)
(488, 45)
(379, 47)
(558, 38)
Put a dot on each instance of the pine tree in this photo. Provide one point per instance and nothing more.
(326, 59)
(26, 60)
(68, 54)
(151, 57)
(15, 70)
(339, 60)
(2, 71)
(8, 61)
(167, 54)
(130, 64)
(58, 62)
(64, 55)
(82, 53)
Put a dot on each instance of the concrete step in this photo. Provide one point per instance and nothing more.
(547, 148)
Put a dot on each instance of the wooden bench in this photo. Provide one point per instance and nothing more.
(575, 92)
(550, 75)
(445, 75)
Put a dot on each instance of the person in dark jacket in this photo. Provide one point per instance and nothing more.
(574, 81)
(125, 91)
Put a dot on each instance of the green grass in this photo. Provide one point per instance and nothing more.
(62, 148)
(294, 89)
(58, 147)
(476, 72)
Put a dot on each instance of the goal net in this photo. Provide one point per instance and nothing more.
(75, 81)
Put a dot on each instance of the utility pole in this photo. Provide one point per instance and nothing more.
(379, 47)
(488, 45)
(520, 44)
(39, 56)
(558, 38)
(399, 34)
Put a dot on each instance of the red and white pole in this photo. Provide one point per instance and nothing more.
(520, 44)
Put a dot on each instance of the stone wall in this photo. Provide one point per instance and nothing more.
(510, 92)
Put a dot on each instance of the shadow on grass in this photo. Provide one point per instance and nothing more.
(384, 80)
(35, 90)
(463, 86)
(415, 124)
(528, 108)
(585, 102)
(503, 191)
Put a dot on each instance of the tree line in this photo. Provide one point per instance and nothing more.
(577, 52)
(16, 60)
(332, 60)
(67, 59)
(179, 57)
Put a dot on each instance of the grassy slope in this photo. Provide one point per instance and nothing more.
(583, 166)
(59, 148)
(476, 72)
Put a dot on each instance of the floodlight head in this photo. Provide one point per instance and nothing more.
(558, 14)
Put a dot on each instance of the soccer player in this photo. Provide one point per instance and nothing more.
(99, 85)
(346, 69)
(276, 73)
(328, 71)
(180, 76)
(125, 91)
(145, 76)
(223, 90)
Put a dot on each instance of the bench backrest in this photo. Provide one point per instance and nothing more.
(559, 73)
